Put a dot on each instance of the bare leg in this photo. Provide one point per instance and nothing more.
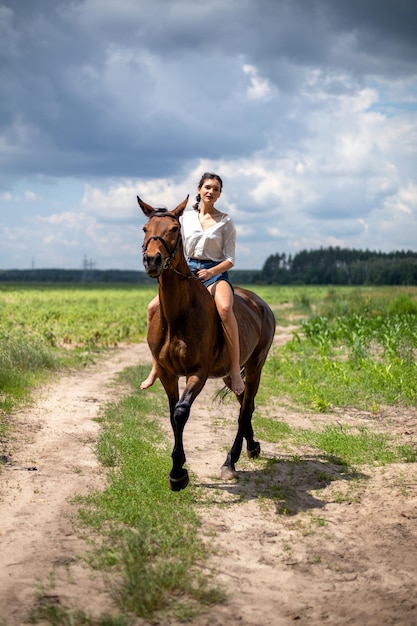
(223, 297)
(153, 375)
(151, 378)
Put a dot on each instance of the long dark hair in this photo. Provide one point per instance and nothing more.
(206, 176)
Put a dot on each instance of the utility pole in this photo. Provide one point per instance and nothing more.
(88, 267)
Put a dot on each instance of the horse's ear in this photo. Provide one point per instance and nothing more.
(146, 208)
(179, 210)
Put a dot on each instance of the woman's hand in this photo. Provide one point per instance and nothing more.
(204, 274)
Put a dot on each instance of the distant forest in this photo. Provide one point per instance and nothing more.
(326, 266)
(341, 266)
(74, 276)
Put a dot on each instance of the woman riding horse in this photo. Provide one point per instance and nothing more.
(187, 339)
(209, 241)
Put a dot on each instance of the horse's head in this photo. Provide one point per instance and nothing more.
(162, 237)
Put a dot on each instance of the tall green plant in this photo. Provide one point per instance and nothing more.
(362, 358)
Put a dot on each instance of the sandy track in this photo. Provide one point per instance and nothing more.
(323, 561)
(326, 549)
(54, 460)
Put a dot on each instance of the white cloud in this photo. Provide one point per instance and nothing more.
(118, 202)
(404, 201)
(31, 196)
(260, 88)
(244, 230)
(275, 232)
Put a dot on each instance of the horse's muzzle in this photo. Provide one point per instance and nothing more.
(153, 264)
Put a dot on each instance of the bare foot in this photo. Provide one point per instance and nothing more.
(238, 386)
(149, 381)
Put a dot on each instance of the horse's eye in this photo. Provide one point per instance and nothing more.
(175, 229)
(144, 229)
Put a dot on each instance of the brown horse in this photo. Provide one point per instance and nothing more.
(186, 338)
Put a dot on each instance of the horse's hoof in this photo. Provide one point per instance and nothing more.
(228, 473)
(253, 454)
(176, 484)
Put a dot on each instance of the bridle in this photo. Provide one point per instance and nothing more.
(171, 253)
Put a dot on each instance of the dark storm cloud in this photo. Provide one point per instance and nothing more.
(68, 105)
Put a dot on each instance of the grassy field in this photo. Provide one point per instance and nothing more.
(352, 348)
(348, 348)
(46, 328)
(352, 345)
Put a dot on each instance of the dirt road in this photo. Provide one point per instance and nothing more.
(298, 538)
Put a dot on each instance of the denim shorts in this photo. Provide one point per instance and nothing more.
(197, 264)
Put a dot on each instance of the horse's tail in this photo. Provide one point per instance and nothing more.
(221, 395)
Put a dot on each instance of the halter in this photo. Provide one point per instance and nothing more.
(171, 253)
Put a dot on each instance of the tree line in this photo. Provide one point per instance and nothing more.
(74, 276)
(326, 266)
(341, 266)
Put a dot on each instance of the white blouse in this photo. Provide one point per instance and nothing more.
(216, 243)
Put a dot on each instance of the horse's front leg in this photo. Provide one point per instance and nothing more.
(178, 476)
(179, 413)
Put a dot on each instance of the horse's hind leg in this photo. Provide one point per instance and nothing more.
(245, 429)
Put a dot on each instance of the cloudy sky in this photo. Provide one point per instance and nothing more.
(306, 108)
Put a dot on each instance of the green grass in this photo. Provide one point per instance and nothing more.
(364, 447)
(57, 615)
(347, 445)
(364, 357)
(23, 366)
(74, 315)
(366, 301)
(48, 328)
(149, 535)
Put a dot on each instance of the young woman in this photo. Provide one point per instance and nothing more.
(209, 238)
